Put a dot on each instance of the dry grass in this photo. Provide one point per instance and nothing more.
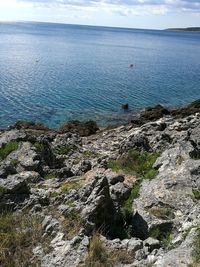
(101, 256)
(19, 234)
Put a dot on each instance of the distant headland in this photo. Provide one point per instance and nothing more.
(189, 29)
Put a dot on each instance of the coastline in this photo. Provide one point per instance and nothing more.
(148, 114)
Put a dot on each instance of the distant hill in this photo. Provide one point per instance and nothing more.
(189, 29)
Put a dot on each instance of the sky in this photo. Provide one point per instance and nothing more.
(146, 14)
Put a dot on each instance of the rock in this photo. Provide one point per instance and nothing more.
(125, 106)
(82, 128)
(113, 177)
(139, 226)
(99, 207)
(26, 157)
(120, 192)
(6, 168)
(50, 225)
(15, 184)
(151, 243)
(180, 256)
(134, 244)
(82, 167)
(12, 135)
(30, 125)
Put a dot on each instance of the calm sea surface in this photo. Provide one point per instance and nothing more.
(52, 72)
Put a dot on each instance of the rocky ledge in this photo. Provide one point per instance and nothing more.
(127, 196)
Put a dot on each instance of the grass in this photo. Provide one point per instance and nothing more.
(3, 190)
(126, 208)
(67, 187)
(196, 249)
(90, 154)
(64, 150)
(162, 213)
(196, 194)
(72, 224)
(101, 256)
(136, 163)
(165, 237)
(19, 234)
(14, 162)
(49, 176)
(7, 149)
(39, 147)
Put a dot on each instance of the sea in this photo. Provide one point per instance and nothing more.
(53, 73)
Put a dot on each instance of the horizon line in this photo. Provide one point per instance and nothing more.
(77, 24)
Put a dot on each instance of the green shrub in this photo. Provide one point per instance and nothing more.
(19, 234)
(7, 149)
(39, 147)
(196, 194)
(126, 208)
(136, 163)
(64, 150)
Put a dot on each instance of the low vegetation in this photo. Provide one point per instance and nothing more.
(63, 150)
(196, 249)
(66, 187)
(3, 190)
(14, 162)
(49, 176)
(71, 224)
(126, 208)
(19, 234)
(101, 256)
(163, 234)
(136, 163)
(162, 213)
(39, 147)
(196, 194)
(5, 150)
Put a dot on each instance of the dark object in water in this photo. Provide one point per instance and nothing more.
(125, 106)
(131, 66)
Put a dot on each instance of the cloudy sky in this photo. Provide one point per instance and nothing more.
(155, 14)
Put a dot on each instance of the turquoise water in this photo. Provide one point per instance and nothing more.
(52, 73)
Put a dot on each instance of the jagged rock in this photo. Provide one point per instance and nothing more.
(113, 177)
(26, 157)
(12, 135)
(99, 207)
(66, 253)
(139, 226)
(82, 167)
(6, 169)
(50, 225)
(119, 192)
(15, 184)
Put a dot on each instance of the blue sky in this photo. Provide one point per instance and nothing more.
(154, 14)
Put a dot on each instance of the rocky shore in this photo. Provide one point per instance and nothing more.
(123, 196)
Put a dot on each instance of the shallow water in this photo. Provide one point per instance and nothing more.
(53, 72)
